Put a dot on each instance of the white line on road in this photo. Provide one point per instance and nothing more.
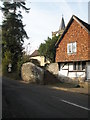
(75, 104)
(85, 108)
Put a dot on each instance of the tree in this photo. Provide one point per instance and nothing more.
(48, 49)
(0, 44)
(42, 49)
(13, 32)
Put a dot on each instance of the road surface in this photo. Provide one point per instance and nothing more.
(21, 100)
(0, 97)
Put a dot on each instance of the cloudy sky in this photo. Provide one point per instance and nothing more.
(45, 17)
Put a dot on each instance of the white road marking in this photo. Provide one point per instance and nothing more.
(75, 104)
(85, 108)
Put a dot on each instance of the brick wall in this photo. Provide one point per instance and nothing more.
(89, 45)
(78, 34)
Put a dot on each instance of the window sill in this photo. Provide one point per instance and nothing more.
(76, 70)
(71, 53)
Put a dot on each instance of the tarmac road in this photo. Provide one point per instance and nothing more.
(22, 100)
(0, 97)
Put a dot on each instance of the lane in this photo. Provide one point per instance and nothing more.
(80, 99)
(69, 102)
(75, 105)
(0, 97)
(38, 101)
(30, 103)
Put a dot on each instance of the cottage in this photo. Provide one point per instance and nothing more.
(73, 50)
(35, 55)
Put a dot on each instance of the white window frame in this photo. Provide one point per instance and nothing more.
(71, 48)
(78, 66)
(74, 47)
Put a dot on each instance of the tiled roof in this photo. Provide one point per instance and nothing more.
(35, 53)
(82, 23)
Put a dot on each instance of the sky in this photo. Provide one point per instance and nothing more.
(45, 17)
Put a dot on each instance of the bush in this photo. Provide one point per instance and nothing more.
(5, 62)
(21, 61)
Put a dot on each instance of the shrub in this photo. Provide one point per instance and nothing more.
(5, 62)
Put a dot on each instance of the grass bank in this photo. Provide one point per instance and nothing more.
(12, 75)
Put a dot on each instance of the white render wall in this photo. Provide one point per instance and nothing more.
(68, 71)
(76, 74)
(40, 59)
(63, 71)
(88, 70)
(70, 66)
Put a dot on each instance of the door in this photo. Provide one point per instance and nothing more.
(88, 71)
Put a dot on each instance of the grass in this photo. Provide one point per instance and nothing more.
(13, 76)
(64, 85)
(0, 70)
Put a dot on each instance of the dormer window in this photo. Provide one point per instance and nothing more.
(71, 48)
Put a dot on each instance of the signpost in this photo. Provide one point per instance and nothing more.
(9, 67)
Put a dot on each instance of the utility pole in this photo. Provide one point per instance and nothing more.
(27, 51)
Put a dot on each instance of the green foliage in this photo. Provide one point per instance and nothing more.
(5, 61)
(48, 49)
(25, 58)
(0, 44)
(13, 34)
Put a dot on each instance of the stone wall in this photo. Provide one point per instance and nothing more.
(32, 73)
(53, 68)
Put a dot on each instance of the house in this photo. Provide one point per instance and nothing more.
(61, 28)
(41, 59)
(73, 50)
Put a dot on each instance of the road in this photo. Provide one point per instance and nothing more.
(0, 97)
(21, 100)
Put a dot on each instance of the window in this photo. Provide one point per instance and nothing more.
(83, 65)
(74, 47)
(79, 65)
(71, 47)
(74, 66)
